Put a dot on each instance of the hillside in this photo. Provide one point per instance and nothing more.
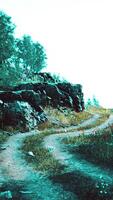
(60, 160)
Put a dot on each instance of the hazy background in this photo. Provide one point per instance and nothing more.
(77, 36)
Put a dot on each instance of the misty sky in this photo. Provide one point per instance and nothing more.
(77, 36)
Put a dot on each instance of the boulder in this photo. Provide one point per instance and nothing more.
(18, 114)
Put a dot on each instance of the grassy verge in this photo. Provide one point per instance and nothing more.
(100, 110)
(62, 118)
(100, 121)
(43, 160)
(96, 148)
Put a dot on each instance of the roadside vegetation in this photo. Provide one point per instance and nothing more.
(59, 118)
(104, 115)
(100, 121)
(98, 110)
(96, 148)
(3, 137)
(42, 159)
(63, 117)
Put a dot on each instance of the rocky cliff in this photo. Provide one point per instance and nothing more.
(31, 98)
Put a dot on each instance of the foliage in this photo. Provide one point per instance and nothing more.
(31, 55)
(6, 38)
(96, 147)
(63, 117)
(3, 137)
(21, 58)
(95, 102)
(7, 49)
(92, 102)
(88, 103)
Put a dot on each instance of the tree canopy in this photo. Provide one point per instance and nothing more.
(20, 58)
(6, 37)
(31, 55)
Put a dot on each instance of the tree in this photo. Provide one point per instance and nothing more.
(95, 102)
(31, 55)
(6, 38)
(88, 103)
(20, 59)
(8, 72)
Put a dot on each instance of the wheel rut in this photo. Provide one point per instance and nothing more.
(36, 186)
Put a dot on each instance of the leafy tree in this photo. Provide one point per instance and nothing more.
(6, 38)
(7, 50)
(95, 102)
(31, 55)
(20, 59)
(9, 69)
(88, 103)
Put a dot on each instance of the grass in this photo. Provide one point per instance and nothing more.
(62, 118)
(98, 110)
(96, 148)
(101, 120)
(3, 137)
(83, 186)
(43, 160)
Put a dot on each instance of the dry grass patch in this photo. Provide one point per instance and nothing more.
(98, 110)
(100, 121)
(63, 117)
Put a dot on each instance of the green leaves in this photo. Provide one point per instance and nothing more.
(6, 37)
(21, 58)
(31, 54)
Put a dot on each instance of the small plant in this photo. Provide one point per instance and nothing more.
(102, 188)
(3, 137)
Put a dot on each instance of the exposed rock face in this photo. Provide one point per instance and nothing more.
(20, 115)
(61, 94)
(24, 103)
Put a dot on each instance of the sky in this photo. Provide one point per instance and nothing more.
(77, 36)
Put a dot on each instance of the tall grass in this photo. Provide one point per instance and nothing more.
(63, 117)
(97, 147)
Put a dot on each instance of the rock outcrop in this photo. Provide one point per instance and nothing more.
(60, 94)
(24, 103)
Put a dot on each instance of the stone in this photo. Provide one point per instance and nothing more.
(6, 195)
(57, 94)
(24, 104)
(18, 114)
(30, 153)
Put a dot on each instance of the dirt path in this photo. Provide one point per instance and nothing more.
(14, 168)
(35, 186)
(59, 151)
